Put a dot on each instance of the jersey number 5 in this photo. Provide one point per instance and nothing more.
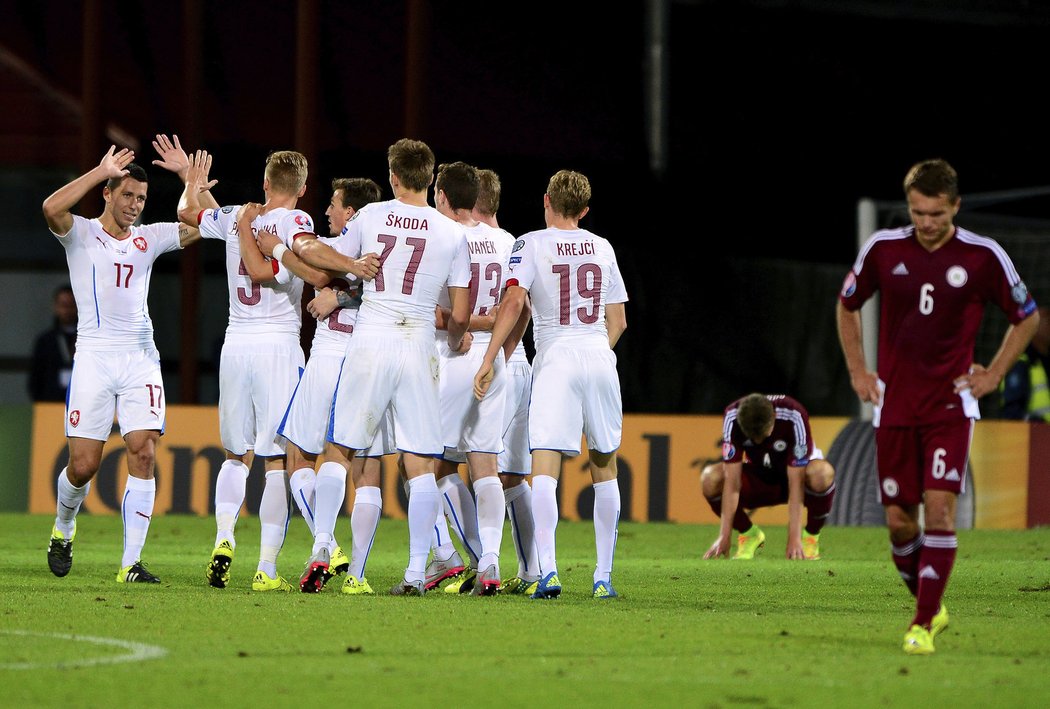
(248, 297)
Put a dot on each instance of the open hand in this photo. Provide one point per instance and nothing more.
(719, 548)
(172, 157)
(115, 163)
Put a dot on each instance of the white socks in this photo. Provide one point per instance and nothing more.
(545, 513)
(523, 530)
(136, 508)
(302, 483)
(229, 496)
(462, 513)
(273, 520)
(441, 539)
(491, 506)
(606, 517)
(329, 493)
(423, 506)
(364, 520)
(69, 501)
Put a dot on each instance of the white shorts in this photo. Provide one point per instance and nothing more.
(310, 411)
(575, 389)
(469, 425)
(257, 375)
(127, 383)
(516, 456)
(382, 372)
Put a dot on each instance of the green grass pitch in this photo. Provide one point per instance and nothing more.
(684, 632)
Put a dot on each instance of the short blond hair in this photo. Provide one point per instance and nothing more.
(488, 192)
(569, 192)
(286, 171)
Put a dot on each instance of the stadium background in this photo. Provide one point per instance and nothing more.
(728, 143)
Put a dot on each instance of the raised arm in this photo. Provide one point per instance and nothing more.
(174, 159)
(57, 206)
(190, 205)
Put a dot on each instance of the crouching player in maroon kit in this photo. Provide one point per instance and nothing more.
(768, 459)
(934, 279)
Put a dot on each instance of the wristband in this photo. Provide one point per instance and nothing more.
(278, 251)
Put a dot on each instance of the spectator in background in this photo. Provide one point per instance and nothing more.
(52, 362)
(1024, 394)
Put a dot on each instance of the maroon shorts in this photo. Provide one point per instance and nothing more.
(914, 459)
(762, 490)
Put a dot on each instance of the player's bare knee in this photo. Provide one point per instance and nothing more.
(820, 475)
(603, 466)
(81, 471)
(711, 479)
(141, 452)
(445, 468)
(902, 522)
(511, 480)
(366, 472)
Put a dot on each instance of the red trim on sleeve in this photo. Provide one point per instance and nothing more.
(511, 282)
(304, 233)
(199, 215)
(275, 265)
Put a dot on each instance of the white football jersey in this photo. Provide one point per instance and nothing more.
(331, 333)
(259, 308)
(421, 252)
(489, 259)
(110, 279)
(571, 275)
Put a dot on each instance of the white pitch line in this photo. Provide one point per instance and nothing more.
(137, 652)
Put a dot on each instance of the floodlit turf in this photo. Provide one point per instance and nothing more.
(684, 632)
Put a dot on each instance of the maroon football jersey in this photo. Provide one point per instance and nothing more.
(790, 443)
(931, 306)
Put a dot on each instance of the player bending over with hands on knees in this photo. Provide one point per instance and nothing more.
(768, 459)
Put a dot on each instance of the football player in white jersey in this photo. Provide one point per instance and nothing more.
(261, 356)
(390, 361)
(472, 429)
(116, 367)
(578, 298)
(305, 425)
(515, 462)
